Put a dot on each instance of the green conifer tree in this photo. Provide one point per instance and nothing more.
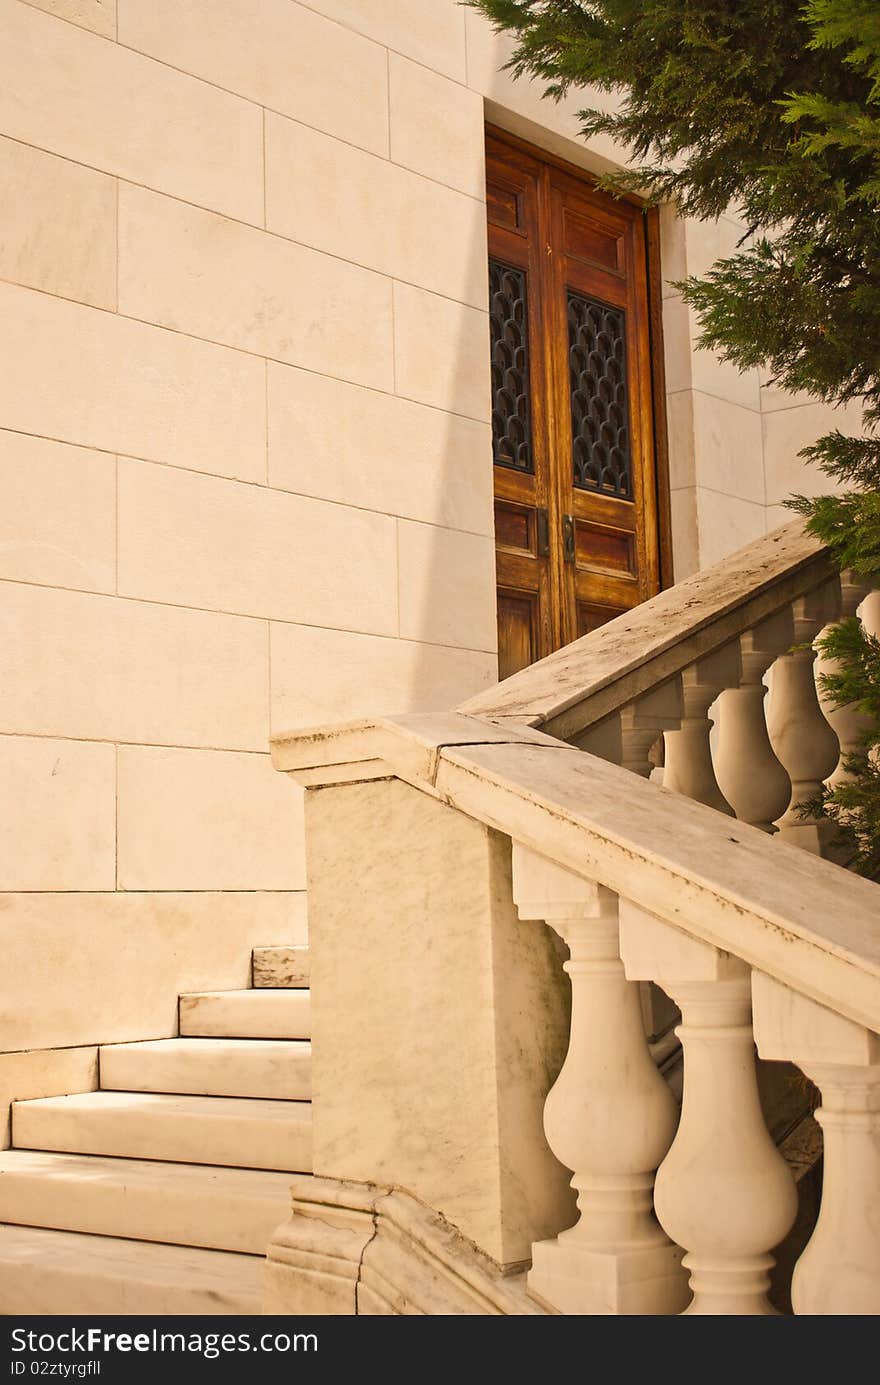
(772, 108)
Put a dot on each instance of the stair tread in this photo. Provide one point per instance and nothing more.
(209, 1045)
(261, 995)
(238, 1132)
(107, 1275)
(207, 1107)
(55, 1163)
(258, 1068)
(189, 1204)
(270, 1013)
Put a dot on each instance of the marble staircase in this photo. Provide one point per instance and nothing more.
(158, 1192)
(542, 905)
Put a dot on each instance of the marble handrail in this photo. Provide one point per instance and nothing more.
(611, 667)
(795, 917)
(666, 906)
(757, 941)
(783, 911)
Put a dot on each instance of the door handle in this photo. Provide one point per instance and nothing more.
(543, 535)
(568, 538)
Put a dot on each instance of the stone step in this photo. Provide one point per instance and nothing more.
(276, 1068)
(263, 1014)
(229, 1131)
(183, 1204)
(102, 1276)
(281, 966)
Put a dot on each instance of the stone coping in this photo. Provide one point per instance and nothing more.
(606, 669)
(800, 919)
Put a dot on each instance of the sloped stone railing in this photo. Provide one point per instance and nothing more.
(438, 847)
(710, 640)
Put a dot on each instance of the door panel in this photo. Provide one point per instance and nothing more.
(604, 443)
(522, 561)
(520, 433)
(572, 403)
(519, 639)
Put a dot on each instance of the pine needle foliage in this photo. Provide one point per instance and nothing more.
(770, 108)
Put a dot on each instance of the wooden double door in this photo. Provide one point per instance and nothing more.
(576, 514)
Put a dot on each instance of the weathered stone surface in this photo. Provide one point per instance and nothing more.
(608, 668)
(353, 1248)
(281, 966)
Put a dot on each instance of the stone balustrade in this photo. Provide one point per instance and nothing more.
(715, 641)
(461, 867)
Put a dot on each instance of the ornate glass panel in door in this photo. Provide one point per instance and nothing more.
(511, 393)
(599, 402)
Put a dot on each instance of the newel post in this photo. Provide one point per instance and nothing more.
(839, 1272)
(723, 1191)
(609, 1117)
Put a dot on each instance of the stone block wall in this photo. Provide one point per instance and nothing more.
(245, 468)
(245, 476)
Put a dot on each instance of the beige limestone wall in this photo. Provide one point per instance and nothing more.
(734, 437)
(245, 476)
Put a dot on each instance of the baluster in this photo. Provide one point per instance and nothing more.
(749, 775)
(643, 720)
(626, 737)
(609, 1117)
(689, 768)
(839, 1272)
(869, 613)
(800, 735)
(848, 723)
(723, 1191)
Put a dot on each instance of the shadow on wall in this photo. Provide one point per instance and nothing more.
(420, 459)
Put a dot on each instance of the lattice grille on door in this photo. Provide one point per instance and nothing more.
(599, 402)
(509, 335)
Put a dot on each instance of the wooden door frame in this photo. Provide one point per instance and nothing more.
(663, 497)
